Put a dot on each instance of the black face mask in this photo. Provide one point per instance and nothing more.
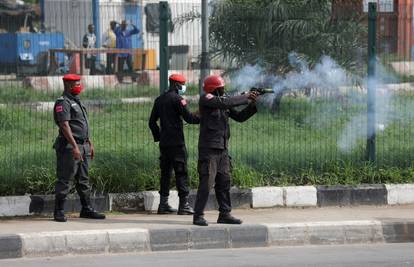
(219, 92)
(175, 86)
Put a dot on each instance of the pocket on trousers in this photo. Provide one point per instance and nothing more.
(203, 167)
(88, 151)
(230, 163)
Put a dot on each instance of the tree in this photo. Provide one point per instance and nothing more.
(266, 32)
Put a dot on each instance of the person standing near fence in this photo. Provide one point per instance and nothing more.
(89, 41)
(170, 108)
(74, 149)
(123, 41)
(213, 158)
(109, 41)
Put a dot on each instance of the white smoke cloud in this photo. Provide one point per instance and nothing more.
(247, 77)
(326, 74)
(356, 129)
(326, 77)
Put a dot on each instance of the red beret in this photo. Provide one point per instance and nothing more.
(71, 77)
(177, 78)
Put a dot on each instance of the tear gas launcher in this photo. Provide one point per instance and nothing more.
(261, 91)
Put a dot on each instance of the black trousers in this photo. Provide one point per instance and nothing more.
(90, 63)
(122, 60)
(214, 170)
(68, 168)
(110, 63)
(174, 158)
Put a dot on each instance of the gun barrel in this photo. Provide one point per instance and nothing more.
(261, 91)
(267, 91)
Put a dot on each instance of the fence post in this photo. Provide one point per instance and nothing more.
(42, 14)
(95, 15)
(205, 58)
(372, 24)
(163, 6)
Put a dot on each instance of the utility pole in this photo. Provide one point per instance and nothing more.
(163, 46)
(96, 20)
(205, 58)
(372, 37)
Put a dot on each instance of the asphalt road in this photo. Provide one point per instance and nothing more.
(355, 255)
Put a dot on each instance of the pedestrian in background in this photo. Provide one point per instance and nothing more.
(109, 41)
(170, 108)
(123, 41)
(89, 41)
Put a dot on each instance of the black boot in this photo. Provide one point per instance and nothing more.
(184, 207)
(59, 213)
(164, 207)
(199, 220)
(89, 213)
(227, 218)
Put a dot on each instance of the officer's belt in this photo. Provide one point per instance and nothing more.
(80, 141)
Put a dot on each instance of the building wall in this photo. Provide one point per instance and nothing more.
(188, 34)
(70, 17)
(405, 28)
(394, 29)
(73, 16)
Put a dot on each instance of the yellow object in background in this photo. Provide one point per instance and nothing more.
(149, 55)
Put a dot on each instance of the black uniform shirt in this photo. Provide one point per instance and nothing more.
(215, 112)
(170, 107)
(69, 108)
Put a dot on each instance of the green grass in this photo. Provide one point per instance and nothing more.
(12, 94)
(296, 145)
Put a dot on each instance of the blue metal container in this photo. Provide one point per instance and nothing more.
(28, 52)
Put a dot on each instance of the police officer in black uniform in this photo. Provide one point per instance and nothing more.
(213, 158)
(170, 108)
(74, 149)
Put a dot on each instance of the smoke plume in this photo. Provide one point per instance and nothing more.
(326, 78)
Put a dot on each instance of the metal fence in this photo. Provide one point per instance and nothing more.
(314, 57)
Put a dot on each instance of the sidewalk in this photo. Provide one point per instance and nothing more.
(150, 232)
(249, 216)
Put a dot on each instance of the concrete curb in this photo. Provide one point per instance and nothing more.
(149, 200)
(15, 206)
(325, 233)
(291, 196)
(83, 242)
(344, 195)
(213, 237)
(400, 194)
(46, 203)
(258, 197)
(300, 196)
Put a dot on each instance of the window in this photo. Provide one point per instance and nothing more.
(384, 5)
